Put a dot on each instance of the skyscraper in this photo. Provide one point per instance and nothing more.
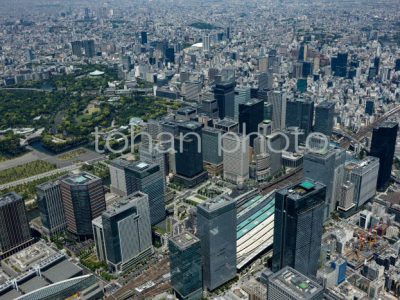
(265, 81)
(51, 207)
(76, 48)
(278, 101)
(186, 267)
(83, 199)
(300, 113)
(324, 114)
(339, 64)
(236, 158)
(242, 95)
(143, 37)
(126, 232)
(364, 176)
(128, 177)
(251, 114)
(206, 43)
(210, 144)
(321, 167)
(216, 223)
(15, 233)
(299, 212)
(289, 284)
(383, 146)
(188, 156)
(224, 93)
(89, 48)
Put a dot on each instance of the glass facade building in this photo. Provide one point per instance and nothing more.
(51, 207)
(216, 222)
(186, 269)
(383, 146)
(299, 212)
(128, 177)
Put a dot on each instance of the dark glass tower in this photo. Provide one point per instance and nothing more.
(143, 37)
(224, 93)
(299, 212)
(216, 223)
(251, 114)
(15, 233)
(339, 64)
(300, 113)
(383, 146)
(186, 270)
(189, 156)
(89, 46)
(324, 114)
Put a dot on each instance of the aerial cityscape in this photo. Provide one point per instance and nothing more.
(187, 149)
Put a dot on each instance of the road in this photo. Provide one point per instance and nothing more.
(39, 176)
(69, 168)
(27, 89)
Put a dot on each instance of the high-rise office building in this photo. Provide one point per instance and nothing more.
(224, 93)
(206, 43)
(300, 113)
(236, 158)
(143, 37)
(299, 213)
(383, 146)
(89, 47)
(76, 48)
(324, 114)
(339, 64)
(320, 166)
(15, 233)
(364, 176)
(242, 95)
(397, 65)
(128, 177)
(216, 223)
(346, 197)
(210, 145)
(83, 199)
(170, 55)
(51, 208)
(189, 155)
(265, 81)
(123, 232)
(251, 114)
(278, 101)
(289, 284)
(186, 267)
(270, 144)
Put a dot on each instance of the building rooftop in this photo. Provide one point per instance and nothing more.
(294, 282)
(303, 188)
(9, 198)
(48, 185)
(122, 204)
(62, 271)
(184, 240)
(82, 178)
(216, 203)
(226, 123)
(134, 165)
